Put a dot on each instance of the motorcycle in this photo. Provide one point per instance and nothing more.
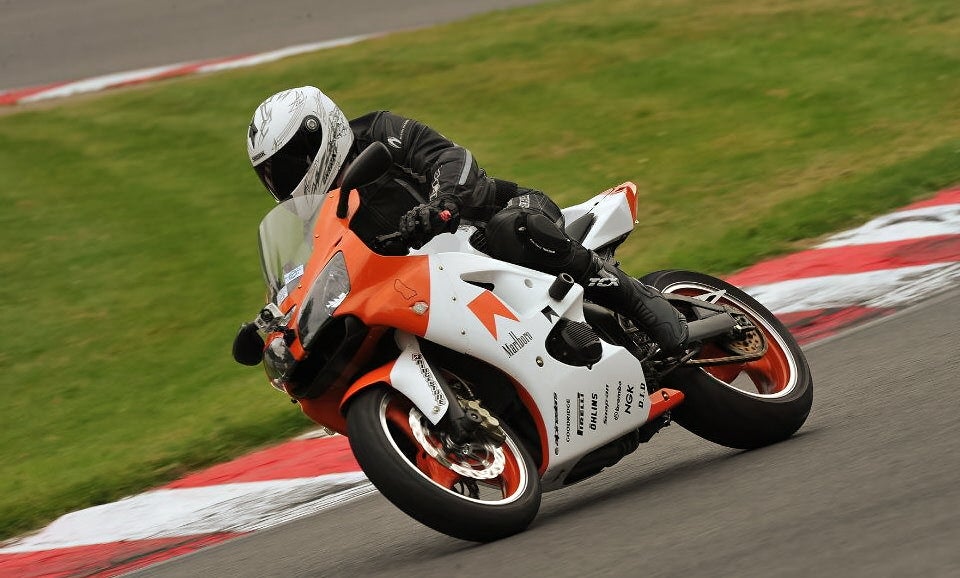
(469, 386)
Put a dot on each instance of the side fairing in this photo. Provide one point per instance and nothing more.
(502, 314)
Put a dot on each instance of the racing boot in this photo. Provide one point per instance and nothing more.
(607, 285)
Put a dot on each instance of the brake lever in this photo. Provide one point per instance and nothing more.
(389, 238)
(392, 243)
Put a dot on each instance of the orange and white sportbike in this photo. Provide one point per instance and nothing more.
(467, 386)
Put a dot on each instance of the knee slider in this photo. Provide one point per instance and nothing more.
(501, 234)
(526, 237)
(545, 235)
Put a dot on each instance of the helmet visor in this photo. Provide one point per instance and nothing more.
(283, 171)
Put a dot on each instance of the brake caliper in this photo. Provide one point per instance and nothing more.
(483, 419)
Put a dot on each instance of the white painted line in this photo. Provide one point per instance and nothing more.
(166, 513)
(256, 59)
(902, 225)
(182, 69)
(100, 83)
(313, 507)
(917, 288)
(885, 288)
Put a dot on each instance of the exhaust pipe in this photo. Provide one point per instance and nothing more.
(712, 326)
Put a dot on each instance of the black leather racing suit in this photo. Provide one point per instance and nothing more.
(523, 226)
(426, 164)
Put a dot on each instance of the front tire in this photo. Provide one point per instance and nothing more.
(482, 495)
(746, 405)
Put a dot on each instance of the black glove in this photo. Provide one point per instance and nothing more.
(426, 221)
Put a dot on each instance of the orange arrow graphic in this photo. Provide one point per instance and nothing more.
(486, 307)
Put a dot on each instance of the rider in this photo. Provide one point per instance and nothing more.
(299, 143)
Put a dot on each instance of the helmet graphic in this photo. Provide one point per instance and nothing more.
(297, 142)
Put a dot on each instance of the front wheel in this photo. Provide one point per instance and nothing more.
(741, 405)
(480, 491)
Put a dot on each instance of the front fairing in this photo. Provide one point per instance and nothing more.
(330, 288)
(288, 243)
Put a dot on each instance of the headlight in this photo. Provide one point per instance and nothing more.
(327, 293)
(278, 361)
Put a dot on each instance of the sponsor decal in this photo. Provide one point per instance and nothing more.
(405, 291)
(627, 394)
(628, 399)
(258, 156)
(438, 397)
(282, 294)
(517, 343)
(568, 419)
(616, 408)
(293, 274)
(606, 403)
(486, 307)
(580, 413)
(556, 424)
(594, 410)
(603, 282)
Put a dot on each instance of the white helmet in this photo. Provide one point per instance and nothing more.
(298, 140)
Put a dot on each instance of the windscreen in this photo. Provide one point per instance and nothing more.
(286, 241)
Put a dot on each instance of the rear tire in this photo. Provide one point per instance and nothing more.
(745, 405)
(383, 429)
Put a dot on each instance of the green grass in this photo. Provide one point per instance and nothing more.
(127, 233)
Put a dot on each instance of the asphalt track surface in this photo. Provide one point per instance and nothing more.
(868, 487)
(48, 41)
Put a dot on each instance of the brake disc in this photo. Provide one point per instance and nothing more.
(478, 460)
(749, 344)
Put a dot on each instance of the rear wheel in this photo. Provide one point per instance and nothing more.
(741, 405)
(481, 491)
